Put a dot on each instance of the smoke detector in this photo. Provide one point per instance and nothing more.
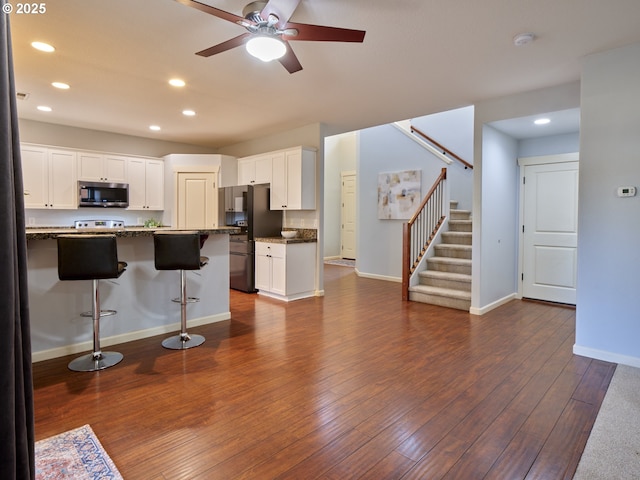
(523, 39)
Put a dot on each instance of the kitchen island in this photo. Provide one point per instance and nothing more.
(142, 295)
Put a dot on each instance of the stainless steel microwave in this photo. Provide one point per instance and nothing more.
(103, 194)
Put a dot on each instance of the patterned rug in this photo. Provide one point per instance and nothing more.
(343, 262)
(76, 454)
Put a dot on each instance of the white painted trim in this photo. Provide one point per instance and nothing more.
(378, 277)
(86, 347)
(606, 356)
(405, 127)
(335, 257)
(544, 159)
(492, 306)
(319, 293)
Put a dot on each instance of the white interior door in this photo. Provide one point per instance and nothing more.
(197, 200)
(348, 230)
(550, 232)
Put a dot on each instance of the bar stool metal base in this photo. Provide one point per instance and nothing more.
(93, 362)
(183, 341)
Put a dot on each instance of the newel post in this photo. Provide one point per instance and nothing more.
(406, 260)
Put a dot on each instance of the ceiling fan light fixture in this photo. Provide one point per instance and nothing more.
(266, 47)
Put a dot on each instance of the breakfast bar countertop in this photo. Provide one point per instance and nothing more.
(45, 233)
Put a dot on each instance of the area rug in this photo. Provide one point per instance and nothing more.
(343, 262)
(613, 448)
(76, 454)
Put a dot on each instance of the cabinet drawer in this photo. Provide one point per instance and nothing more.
(274, 249)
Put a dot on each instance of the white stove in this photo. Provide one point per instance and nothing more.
(98, 224)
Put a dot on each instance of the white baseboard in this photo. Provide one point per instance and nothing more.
(606, 356)
(335, 257)
(125, 337)
(378, 277)
(491, 306)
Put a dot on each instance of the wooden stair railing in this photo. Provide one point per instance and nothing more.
(444, 150)
(419, 232)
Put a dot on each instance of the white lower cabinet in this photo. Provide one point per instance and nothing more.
(285, 271)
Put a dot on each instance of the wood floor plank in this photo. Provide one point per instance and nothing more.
(355, 384)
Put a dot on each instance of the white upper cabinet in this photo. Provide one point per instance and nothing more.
(293, 185)
(254, 170)
(146, 184)
(98, 167)
(49, 177)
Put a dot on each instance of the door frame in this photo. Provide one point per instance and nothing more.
(177, 169)
(527, 162)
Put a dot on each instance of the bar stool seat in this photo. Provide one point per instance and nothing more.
(91, 257)
(180, 250)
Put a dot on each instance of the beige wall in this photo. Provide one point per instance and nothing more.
(82, 138)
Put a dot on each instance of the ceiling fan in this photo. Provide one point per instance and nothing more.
(267, 22)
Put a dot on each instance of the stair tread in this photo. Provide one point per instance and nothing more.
(453, 260)
(462, 277)
(457, 246)
(440, 291)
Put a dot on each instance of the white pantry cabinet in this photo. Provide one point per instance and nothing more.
(146, 183)
(99, 167)
(285, 271)
(254, 170)
(49, 177)
(293, 184)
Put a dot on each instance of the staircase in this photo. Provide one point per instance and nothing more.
(447, 280)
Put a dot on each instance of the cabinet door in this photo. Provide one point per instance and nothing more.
(35, 173)
(246, 171)
(263, 169)
(278, 193)
(263, 273)
(90, 167)
(154, 184)
(293, 179)
(115, 169)
(137, 181)
(63, 187)
(279, 275)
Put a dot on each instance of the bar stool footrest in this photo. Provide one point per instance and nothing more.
(103, 313)
(188, 300)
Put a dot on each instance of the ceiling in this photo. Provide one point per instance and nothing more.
(418, 57)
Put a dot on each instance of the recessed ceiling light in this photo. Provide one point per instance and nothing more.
(60, 85)
(542, 121)
(155, 128)
(43, 47)
(188, 113)
(177, 82)
(44, 108)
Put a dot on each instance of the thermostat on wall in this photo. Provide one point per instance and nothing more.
(626, 191)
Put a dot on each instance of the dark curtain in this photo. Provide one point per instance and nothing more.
(16, 386)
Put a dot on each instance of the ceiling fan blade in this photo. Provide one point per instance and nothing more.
(290, 61)
(283, 9)
(213, 11)
(224, 46)
(320, 33)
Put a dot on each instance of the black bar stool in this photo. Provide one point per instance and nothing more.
(180, 251)
(91, 257)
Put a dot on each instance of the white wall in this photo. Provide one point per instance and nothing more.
(608, 304)
(500, 233)
(340, 155)
(488, 290)
(549, 145)
(385, 149)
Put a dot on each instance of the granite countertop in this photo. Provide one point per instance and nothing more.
(285, 240)
(45, 233)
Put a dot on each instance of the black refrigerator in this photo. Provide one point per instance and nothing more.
(258, 221)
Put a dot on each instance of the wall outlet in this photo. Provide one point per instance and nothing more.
(32, 221)
(140, 221)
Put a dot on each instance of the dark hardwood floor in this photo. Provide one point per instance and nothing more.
(356, 384)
